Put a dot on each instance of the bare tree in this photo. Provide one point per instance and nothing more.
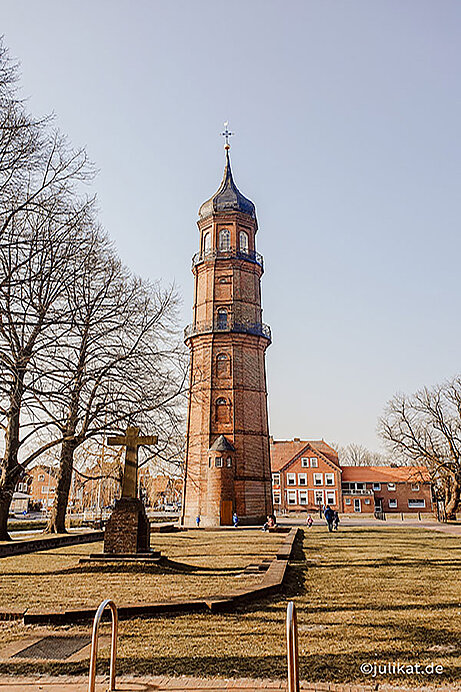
(36, 163)
(425, 428)
(41, 245)
(354, 454)
(120, 364)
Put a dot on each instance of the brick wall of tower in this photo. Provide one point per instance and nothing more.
(232, 283)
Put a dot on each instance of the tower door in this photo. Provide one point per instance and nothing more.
(357, 504)
(226, 512)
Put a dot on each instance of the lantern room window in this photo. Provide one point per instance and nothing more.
(224, 240)
(243, 242)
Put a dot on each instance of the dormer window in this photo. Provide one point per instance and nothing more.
(224, 240)
(243, 242)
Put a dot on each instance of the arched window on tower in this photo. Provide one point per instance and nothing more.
(207, 243)
(222, 319)
(222, 410)
(243, 242)
(222, 365)
(224, 240)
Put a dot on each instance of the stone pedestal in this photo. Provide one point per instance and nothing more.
(128, 529)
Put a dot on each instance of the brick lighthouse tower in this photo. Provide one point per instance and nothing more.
(227, 465)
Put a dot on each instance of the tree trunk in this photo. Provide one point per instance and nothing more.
(6, 495)
(454, 498)
(57, 520)
(10, 470)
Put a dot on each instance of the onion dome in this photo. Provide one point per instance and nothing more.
(228, 197)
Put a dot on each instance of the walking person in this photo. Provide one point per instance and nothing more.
(329, 515)
(235, 520)
(309, 521)
(335, 520)
(197, 520)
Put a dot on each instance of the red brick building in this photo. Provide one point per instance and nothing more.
(386, 489)
(227, 463)
(40, 484)
(305, 475)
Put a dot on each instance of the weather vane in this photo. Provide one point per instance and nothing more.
(227, 134)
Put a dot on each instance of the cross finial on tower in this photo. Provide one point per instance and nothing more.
(227, 134)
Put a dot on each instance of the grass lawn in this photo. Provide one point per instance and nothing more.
(364, 595)
(53, 579)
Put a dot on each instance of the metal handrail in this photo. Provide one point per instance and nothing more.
(94, 645)
(256, 328)
(292, 648)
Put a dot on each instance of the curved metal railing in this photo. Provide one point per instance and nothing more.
(292, 648)
(256, 328)
(94, 645)
(232, 253)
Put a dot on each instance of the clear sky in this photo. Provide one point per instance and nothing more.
(347, 119)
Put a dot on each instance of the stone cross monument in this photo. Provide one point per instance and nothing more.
(128, 529)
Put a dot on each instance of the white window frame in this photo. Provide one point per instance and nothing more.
(305, 462)
(41, 477)
(415, 487)
(330, 496)
(415, 503)
(318, 498)
(367, 500)
(291, 478)
(245, 246)
(224, 240)
(393, 503)
(376, 486)
(207, 243)
(391, 487)
(347, 500)
(330, 479)
(218, 462)
(303, 498)
(318, 479)
(276, 479)
(292, 497)
(314, 463)
(302, 479)
(276, 497)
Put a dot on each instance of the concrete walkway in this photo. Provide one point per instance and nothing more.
(164, 684)
(392, 522)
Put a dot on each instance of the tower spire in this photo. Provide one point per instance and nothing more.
(227, 134)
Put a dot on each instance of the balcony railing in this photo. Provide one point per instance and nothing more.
(232, 253)
(256, 328)
(357, 492)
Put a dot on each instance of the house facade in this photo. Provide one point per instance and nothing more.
(307, 475)
(386, 489)
(40, 484)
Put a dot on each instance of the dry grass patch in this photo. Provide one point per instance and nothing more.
(53, 579)
(363, 595)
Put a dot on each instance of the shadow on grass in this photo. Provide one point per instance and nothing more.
(335, 667)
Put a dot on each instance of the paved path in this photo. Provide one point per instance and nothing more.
(164, 684)
(391, 522)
